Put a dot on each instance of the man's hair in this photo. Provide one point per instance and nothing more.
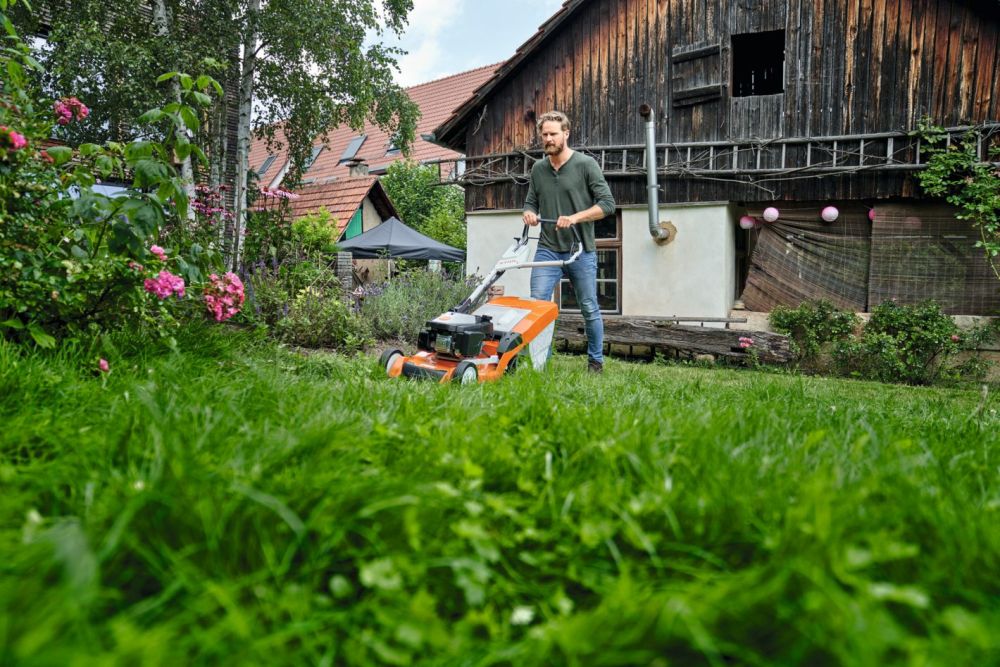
(557, 116)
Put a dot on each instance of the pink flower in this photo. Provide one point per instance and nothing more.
(164, 285)
(955, 338)
(17, 140)
(135, 266)
(746, 342)
(103, 366)
(224, 296)
(158, 251)
(69, 108)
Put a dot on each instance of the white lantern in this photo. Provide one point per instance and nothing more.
(829, 214)
(771, 214)
(748, 222)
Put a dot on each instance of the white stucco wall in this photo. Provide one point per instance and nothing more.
(369, 215)
(694, 276)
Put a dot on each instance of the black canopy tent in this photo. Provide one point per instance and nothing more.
(395, 240)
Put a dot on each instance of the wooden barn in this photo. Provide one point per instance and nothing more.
(792, 104)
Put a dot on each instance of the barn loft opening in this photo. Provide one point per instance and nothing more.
(759, 63)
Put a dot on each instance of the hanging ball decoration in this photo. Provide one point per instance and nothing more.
(829, 214)
(871, 214)
(748, 222)
(771, 214)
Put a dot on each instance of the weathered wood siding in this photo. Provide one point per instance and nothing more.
(851, 67)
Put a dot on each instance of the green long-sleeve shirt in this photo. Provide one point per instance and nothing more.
(575, 187)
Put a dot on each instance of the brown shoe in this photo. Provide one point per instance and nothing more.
(595, 366)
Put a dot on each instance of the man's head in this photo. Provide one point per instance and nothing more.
(553, 129)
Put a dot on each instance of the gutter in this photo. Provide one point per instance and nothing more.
(662, 232)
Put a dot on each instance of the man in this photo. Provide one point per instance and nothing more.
(568, 187)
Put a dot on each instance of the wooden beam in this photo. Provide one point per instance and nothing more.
(771, 348)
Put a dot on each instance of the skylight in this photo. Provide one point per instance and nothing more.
(312, 157)
(353, 147)
(267, 165)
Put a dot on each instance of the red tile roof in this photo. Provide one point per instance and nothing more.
(342, 198)
(436, 99)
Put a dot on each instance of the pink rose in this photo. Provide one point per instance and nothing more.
(158, 251)
(17, 140)
(103, 366)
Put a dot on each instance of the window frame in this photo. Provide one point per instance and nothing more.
(615, 244)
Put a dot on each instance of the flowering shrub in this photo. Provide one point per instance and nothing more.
(900, 344)
(224, 296)
(69, 108)
(11, 140)
(164, 285)
(73, 259)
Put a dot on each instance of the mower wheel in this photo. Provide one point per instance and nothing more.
(388, 359)
(465, 373)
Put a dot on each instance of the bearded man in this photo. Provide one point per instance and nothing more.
(568, 187)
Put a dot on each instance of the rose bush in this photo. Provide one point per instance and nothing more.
(73, 258)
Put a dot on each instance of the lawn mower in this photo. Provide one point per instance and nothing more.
(484, 344)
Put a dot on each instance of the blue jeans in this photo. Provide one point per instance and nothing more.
(583, 275)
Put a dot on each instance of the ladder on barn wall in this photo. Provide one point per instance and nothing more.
(751, 158)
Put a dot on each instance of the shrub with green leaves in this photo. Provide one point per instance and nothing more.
(316, 233)
(319, 316)
(399, 309)
(812, 324)
(901, 343)
(68, 252)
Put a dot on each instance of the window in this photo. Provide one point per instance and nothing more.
(759, 63)
(312, 158)
(353, 148)
(608, 237)
(393, 147)
(267, 165)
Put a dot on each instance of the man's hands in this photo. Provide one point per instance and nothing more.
(531, 218)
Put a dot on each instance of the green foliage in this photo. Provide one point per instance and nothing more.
(956, 173)
(233, 503)
(901, 344)
(424, 204)
(398, 310)
(70, 256)
(316, 233)
(319, 316)
(812, 324)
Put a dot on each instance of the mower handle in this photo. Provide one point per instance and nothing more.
(556, 262)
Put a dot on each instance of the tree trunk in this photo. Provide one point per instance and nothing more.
(162, 21)
(769, 347)
(247, 69)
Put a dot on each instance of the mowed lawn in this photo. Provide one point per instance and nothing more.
(232, 502)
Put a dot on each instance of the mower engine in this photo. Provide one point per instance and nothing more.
(457, 335)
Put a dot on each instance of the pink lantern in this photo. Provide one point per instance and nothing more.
(771, 214)
(748, 222)
(829, 214)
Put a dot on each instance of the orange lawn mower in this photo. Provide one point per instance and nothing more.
(484, 344)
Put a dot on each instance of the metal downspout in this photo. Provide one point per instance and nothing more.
(662, 232)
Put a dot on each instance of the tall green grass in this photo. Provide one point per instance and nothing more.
(234, 503)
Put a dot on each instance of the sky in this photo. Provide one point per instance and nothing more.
(445, 37)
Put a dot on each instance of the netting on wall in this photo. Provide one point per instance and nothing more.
(800, 257)
(910, 252)
(923, 252)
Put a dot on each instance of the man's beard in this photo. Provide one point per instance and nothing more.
(554, 149)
